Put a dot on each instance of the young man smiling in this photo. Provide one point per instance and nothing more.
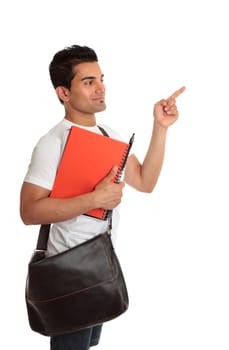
(78, 81)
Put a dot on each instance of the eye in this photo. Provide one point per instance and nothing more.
(88, 82)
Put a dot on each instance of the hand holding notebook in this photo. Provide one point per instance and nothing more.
(87, 158)
(108, 192)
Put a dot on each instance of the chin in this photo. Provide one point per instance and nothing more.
(102, 107)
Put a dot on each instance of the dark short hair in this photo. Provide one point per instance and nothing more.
(63, 62)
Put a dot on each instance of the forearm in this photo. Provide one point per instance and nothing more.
(152, 164)
(37, 207)
(143, 177)
(51, 210)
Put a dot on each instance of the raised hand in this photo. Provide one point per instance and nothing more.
(165, 111)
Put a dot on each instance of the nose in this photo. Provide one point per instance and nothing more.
(100, 87)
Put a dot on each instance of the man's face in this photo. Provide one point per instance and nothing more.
(87, 92)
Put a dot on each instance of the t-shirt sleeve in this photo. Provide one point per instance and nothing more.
(44, 162)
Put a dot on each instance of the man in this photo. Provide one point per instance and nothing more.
(78, 82)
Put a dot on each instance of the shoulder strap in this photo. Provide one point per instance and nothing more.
(43, 237)
(109, 211)
(44, 229)
(103, 131)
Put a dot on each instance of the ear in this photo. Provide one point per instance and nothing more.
(63, 93)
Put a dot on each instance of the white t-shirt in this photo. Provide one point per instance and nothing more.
(42, 171)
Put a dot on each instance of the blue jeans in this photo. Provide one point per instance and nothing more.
(80, 340)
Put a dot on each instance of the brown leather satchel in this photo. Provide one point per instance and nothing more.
(75, 289)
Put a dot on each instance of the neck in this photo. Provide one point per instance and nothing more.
(85, 120)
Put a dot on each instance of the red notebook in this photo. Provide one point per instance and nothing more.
(87, 158)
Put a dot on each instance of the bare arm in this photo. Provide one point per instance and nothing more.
(36, 207)
(143, 177)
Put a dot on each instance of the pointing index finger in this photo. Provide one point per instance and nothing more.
(177, 93)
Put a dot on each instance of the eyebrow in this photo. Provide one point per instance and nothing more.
(90, 77)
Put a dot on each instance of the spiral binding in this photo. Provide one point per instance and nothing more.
(121, 167)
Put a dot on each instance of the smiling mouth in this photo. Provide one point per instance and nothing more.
(99, 99)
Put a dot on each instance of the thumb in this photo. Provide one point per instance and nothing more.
(111, 174)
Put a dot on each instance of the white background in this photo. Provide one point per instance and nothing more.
(176, 265)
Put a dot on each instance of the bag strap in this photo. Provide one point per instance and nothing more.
(43, 236)
(103, 131)
(109, 211)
